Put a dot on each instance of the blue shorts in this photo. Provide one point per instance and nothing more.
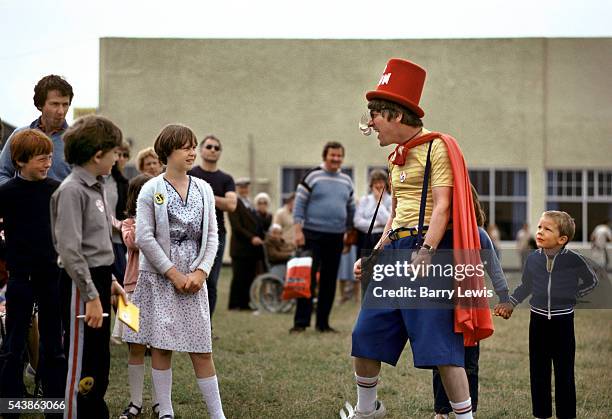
(381, 334)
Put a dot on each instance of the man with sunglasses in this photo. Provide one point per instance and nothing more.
(426, 165)
(225, 201)
(52, 97)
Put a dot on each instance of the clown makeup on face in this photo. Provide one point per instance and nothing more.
(384, 127)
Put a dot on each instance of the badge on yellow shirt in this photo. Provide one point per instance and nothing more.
(402, 176)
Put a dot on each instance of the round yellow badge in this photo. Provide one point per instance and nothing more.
(85, 385)
(159, 198)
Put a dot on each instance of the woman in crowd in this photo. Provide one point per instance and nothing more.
(365, 211)
(148, 162)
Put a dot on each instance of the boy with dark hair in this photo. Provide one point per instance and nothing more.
(81, 221)
(555, 277)
(31, 261)
(52, 97)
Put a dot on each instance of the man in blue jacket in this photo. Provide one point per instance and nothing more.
(52, 97)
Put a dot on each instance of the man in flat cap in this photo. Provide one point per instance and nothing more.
(245, 247)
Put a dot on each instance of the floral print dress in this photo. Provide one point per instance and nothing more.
(170, 320)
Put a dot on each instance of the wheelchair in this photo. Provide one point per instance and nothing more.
(267, 289)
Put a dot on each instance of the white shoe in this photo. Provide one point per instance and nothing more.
(351, 413)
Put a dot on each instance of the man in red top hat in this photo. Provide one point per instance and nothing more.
(436, 335)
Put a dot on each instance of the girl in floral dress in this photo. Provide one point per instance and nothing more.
(176, 232)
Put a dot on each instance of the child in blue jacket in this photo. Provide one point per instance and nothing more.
(554, 277)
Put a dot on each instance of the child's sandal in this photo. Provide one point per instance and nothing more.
(155, 409)
(132, 411)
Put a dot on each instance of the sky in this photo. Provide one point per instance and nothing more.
(40, 37)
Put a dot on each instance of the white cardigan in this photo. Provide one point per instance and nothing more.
(153, 229)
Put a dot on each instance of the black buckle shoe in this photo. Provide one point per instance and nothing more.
(130, 412)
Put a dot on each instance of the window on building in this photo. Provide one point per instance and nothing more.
(584, 194)
(503, 197)
(291, 177)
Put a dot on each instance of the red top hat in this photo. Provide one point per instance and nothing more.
(402, 82)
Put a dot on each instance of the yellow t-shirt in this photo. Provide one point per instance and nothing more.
(408, 191)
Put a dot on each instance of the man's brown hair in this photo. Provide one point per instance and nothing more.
(87, 136)
(391, 110)
(173, 137)
(332, 144)
(565, 223)
(48, 83)
(28, 143)
(210, 137)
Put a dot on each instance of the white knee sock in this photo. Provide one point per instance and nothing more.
(209, 387)
(463, 410)
(366, 393)
(162, 383)
(153, 392)
(135, 380)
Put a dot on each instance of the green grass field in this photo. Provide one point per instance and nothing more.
(266, 373)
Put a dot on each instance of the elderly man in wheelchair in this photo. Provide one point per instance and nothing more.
(267, 288)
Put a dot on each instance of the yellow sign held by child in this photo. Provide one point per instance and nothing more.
(128, 314)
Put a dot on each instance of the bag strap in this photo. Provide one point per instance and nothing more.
(424, 194)
(375, 214)
(423, 200)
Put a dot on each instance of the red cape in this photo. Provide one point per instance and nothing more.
(472, 315)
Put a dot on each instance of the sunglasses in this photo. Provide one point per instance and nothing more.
(124, 155)
(210, 147)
